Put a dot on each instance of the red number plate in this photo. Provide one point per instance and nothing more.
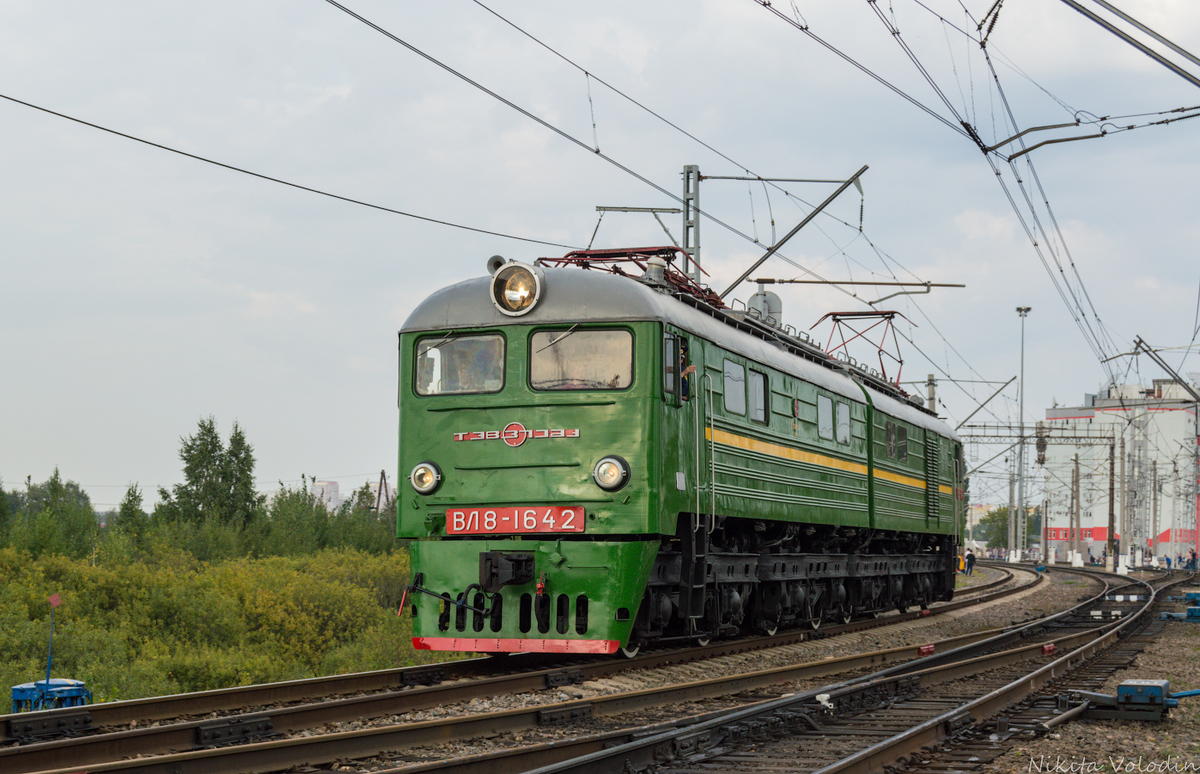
(509, 520)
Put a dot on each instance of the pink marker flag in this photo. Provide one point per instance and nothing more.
(55, 600)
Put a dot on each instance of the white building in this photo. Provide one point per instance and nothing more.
(327, 492)
(1154, 434)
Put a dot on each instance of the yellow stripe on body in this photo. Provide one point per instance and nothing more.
(896, 478)
(775, 450)
(798, 455)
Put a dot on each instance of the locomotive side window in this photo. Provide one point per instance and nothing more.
(459, 365)
(675, 367)
(572, 359)
(825, 417)
(758, 396)
(670, 364)
(897, 441)
(843, 422)
(735, 388)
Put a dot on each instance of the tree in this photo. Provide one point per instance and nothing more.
(363, 498)
(54, 493)
(238, 478)
(55, 517)
(993, 527)
(5, 513)
(218, 481)
(129, 516)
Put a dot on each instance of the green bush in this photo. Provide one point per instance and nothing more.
(171, 623)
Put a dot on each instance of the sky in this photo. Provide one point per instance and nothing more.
(142, 290)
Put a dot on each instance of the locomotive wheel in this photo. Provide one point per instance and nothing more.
(629, 651)
(703, 641)
(902, 607)
(845, 615)
(815, 623)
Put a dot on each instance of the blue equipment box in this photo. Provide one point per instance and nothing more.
(1143, 692)
(50, 694)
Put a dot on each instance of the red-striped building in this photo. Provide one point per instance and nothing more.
(1155, 504)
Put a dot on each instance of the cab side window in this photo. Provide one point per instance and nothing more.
(677, 384)
(670, 364)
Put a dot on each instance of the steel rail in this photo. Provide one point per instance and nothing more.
(159, 708)
(938, 728)
(662, 747)
(639, 753)
(94, 750)
(371, 741)
(544, 755)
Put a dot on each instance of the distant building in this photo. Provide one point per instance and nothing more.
(327, 492)
(1155, 430)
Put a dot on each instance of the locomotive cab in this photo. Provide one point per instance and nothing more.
(525, 424)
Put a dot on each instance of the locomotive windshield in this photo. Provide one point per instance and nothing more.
(581, 360)
(458, 365)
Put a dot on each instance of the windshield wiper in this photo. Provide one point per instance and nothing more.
(560, 338)
(445, 338)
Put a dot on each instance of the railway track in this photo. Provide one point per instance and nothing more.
(964, 711)
(93, 751)
(30, 727)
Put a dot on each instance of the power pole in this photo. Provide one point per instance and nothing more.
(1124, 525)
(1154, 508)
(1112, 516)
(1022, 311)
(1076, 522)
(691, 216)
(1012, 520)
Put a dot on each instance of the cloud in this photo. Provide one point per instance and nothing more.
(277, 305)
(981, 225)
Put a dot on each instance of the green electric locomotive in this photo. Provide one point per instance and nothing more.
(600, 460)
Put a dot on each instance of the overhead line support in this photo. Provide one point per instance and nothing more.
(853, 179)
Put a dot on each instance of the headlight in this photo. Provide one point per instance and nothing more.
(426, 478)
(516, 288)
(611, 473)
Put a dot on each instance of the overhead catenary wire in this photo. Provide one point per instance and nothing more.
(280, 181)
(531, 116)
(556, 130)
(592, 76)
(766, 4)
(672, 124)
(368, 204)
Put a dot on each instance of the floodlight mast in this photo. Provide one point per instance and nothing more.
(1014, 540)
